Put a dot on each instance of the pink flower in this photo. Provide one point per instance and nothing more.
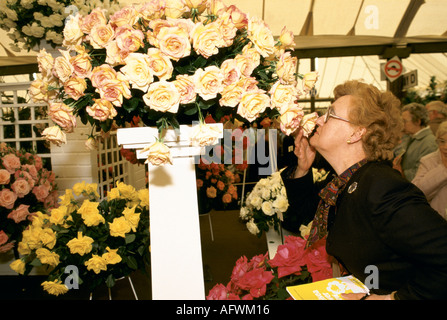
(4, 176)
(218, 292)
(318, 261)
(11, 162)
(41, 192)
(256, 281)
(21, 187)
(7, 198)
(289, 257)
(19, 214)
(3, 237)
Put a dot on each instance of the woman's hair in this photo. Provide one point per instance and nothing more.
(442, 130)
(379, 113)
(418, 112)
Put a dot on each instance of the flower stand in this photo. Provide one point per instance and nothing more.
(176, 253)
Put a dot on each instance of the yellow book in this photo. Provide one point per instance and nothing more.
(329, 289)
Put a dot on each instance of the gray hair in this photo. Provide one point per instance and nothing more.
(442, 129)
(438, 106)
(418, 112)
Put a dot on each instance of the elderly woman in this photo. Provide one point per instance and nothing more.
(431, 177)
(371, 217)
(418, 140)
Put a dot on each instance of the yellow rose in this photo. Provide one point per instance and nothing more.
(39, 91)
(175, 9)
(119, 227)
(45, 62)
(101, 35)
(72, 32)
(290, 119)
(129, 39)
(74, 87)
(286, 68)
(90, 213)
(309, 80)
(159, 154)
(63, 68)
(113, 194)
(231, 95)
(208, 82)
(58, 215)
(96, 264)
(115, 90)
(174, 42)
(111, 257)
(283, 95)
(126, 16)
(79, 188)
(101, 110)
(92, 189)
(18, 266)
(138, 71)
(162, 96)
(186, 88)
(47, 257)
(94, 18)
(47, 237)
(55, 287)
(132, 218)
(126, 191)
(143, 195)
(287, 40)
(207, 39)
(252, 104)
(55, 135)
(80, 245)
(160, 64)
(62, 115)
(204, 135)
(81, 63)
(261, 36)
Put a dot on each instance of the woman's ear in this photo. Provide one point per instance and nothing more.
(357, 135)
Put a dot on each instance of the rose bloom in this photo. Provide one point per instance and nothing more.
(94, 18)
(289, 256)
(256, 281)
(283, 95)
(252, 104)
(290, 120)
(96, 264)
(47, 257)
(207, 39)
(238, 17)
(318, 261)
(309, 80)
(230, 71)
(102, 74)
(111, 256)
(82, 66)
(126, 16)
(287, 40)
(208, 82)
(137, 70)
(115, 90)
(162, 96)
(3, 237)
(101, 35)
(90, 213)
(72, 32)
(41, 192)
(175, 9)
(63, 69)
(159, 154)
(309, 122)
(114, 55)
(261, 36)
(227, 198)
(21, 187)
(231, 95)
(211, 192)
(55, 135)
(174, 42)
(119, 227)
(19, 214)
(185, 86)
(205, 135)
(160, 64)
(286, 68)
(80, 245)
(18, 266)
(62, 115)
(11, 162)
(74, 87)
(227, 28)
(154, 9)
(4, 176)
(218, 292)
(128, 39)
(45, 62)
(55, 287)
(39, 91)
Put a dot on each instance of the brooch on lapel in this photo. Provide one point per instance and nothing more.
(352, 187)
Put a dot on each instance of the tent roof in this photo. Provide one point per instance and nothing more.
(362, 31)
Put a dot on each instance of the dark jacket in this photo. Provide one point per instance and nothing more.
(385, 222)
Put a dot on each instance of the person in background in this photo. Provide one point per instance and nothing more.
(418, 140)
(369, 215)
(431, 176)
(437, 112)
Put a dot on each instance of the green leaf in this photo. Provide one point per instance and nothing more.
(130, 238)
(110, 281)
(132, 262)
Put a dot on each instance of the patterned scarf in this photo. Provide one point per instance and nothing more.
(329, 195)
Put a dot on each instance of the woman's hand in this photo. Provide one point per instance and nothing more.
(305, 154)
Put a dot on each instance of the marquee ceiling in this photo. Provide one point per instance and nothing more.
(350, 38)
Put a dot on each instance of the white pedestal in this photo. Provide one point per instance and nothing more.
(176, 252)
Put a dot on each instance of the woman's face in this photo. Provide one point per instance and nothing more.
(442, 143)
(333, 134)
(410, 127)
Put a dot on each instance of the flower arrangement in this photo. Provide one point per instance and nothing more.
(265, 205)
(104, 240)
(32, 22)
(169, 62)
(262, 278)
(25, 188)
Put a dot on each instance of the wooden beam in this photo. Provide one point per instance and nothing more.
(19, 69)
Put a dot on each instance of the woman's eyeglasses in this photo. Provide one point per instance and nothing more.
(331, 114)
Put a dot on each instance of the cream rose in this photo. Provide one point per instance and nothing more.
(286, 38)
(101, 110)
(160, 64)
(290, 119)
(175, 9)
(207, 39)
(309, 122)
(174, 42)
(137, 70)
(231, 95)
(162, 96)
(208, 82)
(94, 18)
(101, 35)
(261, 36)
(74, 87)
(55, 135)
(159, 154)
(62, 115)
(283, 95)
(72, 32)
(45, 62)
(231, 72)
(309, 80)
(39, 91)
(63, 69)
(252, 104)
(286, 68)
(128, 39)
(205, 135)
(81, 63)
(186, 88)
(115, 90)
(127, 16)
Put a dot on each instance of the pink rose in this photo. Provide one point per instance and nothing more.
(4, 176)
(3, 237)
(290, 256)
(318, 261)
(19, 214)
(11, 162)
(31, 169)
(218, 292)
(7, 198)
(21, 187)
(256, 281)
(6, 247)
(41, 192)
